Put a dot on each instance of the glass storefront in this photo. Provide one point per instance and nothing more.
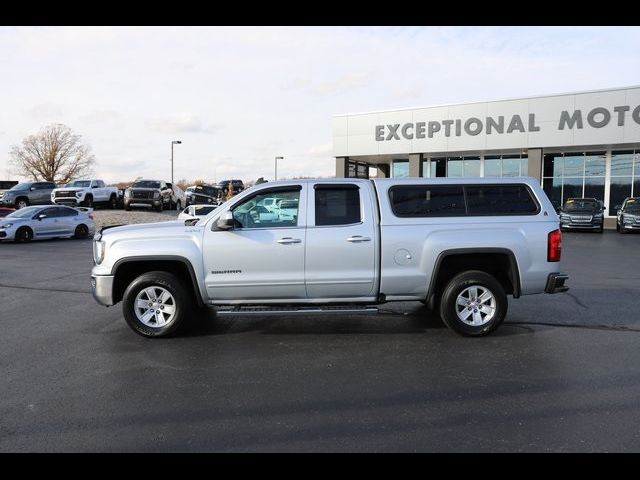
(506, 165)
(570, 175)
(400, 168)
(625, 177)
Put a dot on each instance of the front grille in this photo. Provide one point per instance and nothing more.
(143, 195)
(66, 194)
(581, 218)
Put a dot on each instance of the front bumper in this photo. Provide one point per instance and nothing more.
(582, 225)
(141, 202)
(67, 201)
(8, 233)
(102, 289)
(555, 283)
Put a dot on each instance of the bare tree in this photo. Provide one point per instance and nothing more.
(54, 154)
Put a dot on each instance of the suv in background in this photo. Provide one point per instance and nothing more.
(582, 214)
(238, 186)
(203, 195)
(155, 194)
(28, 193)
(628, 215)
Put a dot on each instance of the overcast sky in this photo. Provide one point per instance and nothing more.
(236, 97)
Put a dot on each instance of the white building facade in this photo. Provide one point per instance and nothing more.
(576, 144)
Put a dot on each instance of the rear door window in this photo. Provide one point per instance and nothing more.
(337, 205)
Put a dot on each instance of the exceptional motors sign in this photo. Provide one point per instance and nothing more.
(598, 117)
(602, 118)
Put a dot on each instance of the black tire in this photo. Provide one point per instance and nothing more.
(459, 283)
(617, 227)
(621, 228)
(82, 231)
(113, 202)
(183, 303)
(24, 235)
(159, 208)
(127, 208)
(21, 202)
(88, 201)
(601, 229)
(178, 205)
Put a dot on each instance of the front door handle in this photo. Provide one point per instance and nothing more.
(358, 238)
(288, 240)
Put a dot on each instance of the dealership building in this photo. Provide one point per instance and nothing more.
(584, 144)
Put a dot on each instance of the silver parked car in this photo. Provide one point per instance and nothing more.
(34, 223)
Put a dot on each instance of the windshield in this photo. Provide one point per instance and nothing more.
(146, 184)
(633, 205)
(27, 212)
(80, 183)
(580, 204)
(20, 186)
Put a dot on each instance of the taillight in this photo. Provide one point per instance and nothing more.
(554, 246)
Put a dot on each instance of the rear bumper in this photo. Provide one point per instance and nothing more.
(555, 283)
(102, 289)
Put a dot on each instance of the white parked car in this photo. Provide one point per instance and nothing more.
(47, 221)
(196, 211)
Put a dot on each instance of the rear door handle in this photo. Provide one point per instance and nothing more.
(358, 238)
(288, 240)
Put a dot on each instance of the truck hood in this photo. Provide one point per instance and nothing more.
(155, 230)
(144, 189)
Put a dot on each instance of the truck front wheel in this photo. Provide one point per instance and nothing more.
(155, 304)
(473, 303)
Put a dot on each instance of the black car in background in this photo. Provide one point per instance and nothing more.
(628, 215)
(238, 186)
(203, 195)
(582, 214)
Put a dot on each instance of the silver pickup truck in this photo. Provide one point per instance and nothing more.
(458, 245)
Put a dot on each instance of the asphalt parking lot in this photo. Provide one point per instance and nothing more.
(561, 375)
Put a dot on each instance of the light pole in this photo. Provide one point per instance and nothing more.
(275, 175)
(173, 142)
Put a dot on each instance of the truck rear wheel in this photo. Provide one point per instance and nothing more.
(155, 304)
(473, 303)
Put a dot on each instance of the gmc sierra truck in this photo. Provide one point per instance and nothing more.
(460, 246)
(86, 193)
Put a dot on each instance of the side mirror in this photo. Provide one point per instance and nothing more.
(617, 207)
(94, 186)
(225, 222)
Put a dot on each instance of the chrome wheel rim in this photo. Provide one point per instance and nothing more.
(476, 305)
(155, 307)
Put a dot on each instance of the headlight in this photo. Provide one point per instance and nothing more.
(156, 194)
(78, 194)
(98, 252)
(6, 225)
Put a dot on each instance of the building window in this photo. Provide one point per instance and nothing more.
(463, 166)
(400, 168)
(574, 175)
(625, 177)
(505, 165)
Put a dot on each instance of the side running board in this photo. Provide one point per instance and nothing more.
(338, 310)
